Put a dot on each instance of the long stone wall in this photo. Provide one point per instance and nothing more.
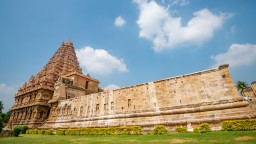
(205, 96)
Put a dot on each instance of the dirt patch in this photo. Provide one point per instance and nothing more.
(180, 141)
(244, 138)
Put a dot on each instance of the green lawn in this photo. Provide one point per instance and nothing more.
(245, 137)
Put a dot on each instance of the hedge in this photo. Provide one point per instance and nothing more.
(48, 132)
(239, 125)
(33, 131)
(24, 129)
(36, 131)
(60, 132)
(29, 131)
(133, 130)
(41, 131)
(181, 129)
(160, 130)
(202, 128)
(129, 130)
(196, 130)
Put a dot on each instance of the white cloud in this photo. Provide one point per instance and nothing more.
(180, 2)
(112, 87)
(119, 21)
(7, 96)
(166, 31)
(237, 55)
(99, 61)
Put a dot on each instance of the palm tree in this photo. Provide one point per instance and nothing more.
(241, 86)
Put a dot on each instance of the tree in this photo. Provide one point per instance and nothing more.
(1, 106)
(7, 117)
(1, 124)
(1, 119)
(241, 86)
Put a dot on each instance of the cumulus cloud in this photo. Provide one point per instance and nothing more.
(7, 96)
(99, 61)
(112, 87)
(166, 31)
(119, 21)
(237, 55)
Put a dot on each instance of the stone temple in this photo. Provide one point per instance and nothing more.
(61, 96)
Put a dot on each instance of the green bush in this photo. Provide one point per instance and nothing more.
(105, 131)
(41, 131)
(131, 130)
(60, 132)
(121, 130)
(196, 130)
(34, 131)
(72, 132)
(111, 130)
(239, 125)
(48, 132)
(16, 130)
(160, 130)
(84, 131)
(204, 128)
(137, 130)
(28, 131)
(181, 129)
(24, 129)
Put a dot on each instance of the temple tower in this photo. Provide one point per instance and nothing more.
(31, 105)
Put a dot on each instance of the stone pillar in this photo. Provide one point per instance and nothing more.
(253, 86)
(24, 114)
(39, 96)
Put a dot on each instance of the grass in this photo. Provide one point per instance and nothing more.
(245, 137)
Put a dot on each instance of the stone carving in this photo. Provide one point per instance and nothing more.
(67, 81)
(39, 89)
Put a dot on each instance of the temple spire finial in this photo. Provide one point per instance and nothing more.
(69, 43)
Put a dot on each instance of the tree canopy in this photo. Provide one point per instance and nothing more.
(1, 106)
(241, 86)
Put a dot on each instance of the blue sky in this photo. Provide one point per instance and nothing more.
(127, 42)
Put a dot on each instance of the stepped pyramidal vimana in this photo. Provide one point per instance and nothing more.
(61, 96)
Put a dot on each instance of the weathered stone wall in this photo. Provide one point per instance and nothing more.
(251, 91)
(206, 96)
(86, 83)
(251, 94)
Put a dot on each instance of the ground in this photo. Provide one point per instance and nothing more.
(245, 137)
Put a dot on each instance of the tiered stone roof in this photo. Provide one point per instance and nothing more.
(63, 62)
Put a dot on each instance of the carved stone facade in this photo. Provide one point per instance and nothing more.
(74, 100)
(32, 106)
